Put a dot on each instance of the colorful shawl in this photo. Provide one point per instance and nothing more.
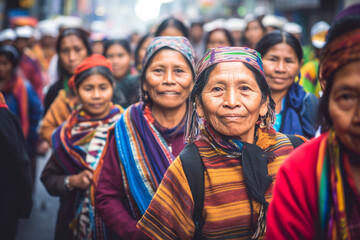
(227, 209)
(78, 144)
(144, 155)
(330, 171)
(17, 87)
(2, 102)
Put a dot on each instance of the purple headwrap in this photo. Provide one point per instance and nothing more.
(353, 9)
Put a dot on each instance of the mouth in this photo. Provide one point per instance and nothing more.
(169, 93)
(96, 105)
(232, 117)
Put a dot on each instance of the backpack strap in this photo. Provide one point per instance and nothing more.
(194, 172)
(295, 140)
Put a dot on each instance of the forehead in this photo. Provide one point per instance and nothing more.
(282, 50)
(95, 79)
(71, 40)
(348, 76)
(231, 70)
(167, 55)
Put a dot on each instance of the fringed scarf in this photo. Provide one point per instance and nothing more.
(254, 163)
(17, 87)
(144, 155)
(78, 144)
(330, 170)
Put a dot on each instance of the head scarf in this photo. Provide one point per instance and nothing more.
(95, 60)
(219, 55)
(339, 52)
(179, 44)
(230, 54)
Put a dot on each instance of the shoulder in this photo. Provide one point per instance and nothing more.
(305, 156)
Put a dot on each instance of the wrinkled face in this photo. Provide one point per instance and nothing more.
(344, 105)
(231, 101)
(72, 52)
(6, 68)
(120, 60)
(172, 32)
(168, 80)
(95, 93)
(254, 33)
(218, 39)
(281, 66)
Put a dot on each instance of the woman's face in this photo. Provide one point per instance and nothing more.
(253, 33)
(281, 66)
(231, 101)
(168, 80)
(120, 60)
(6, 68)
(72, 52)
(95, 94)
(344, 105)
(218, 39)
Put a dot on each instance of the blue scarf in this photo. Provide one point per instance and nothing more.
(292, 120)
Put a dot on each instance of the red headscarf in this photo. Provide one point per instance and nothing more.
(95, 60)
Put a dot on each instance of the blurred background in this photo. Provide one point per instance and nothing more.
(127, 16)
(131, 19)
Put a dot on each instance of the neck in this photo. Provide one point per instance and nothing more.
(278, 96)
(168, 118)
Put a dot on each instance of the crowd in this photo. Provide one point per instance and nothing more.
(223, 130)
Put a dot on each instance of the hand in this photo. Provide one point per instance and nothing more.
(43, 147)
(81, 180)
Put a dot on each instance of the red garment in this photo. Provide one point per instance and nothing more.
(293, 212)
(2, 102)
(95, 60)
(31, 70)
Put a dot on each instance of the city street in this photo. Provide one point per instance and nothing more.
(41, 224)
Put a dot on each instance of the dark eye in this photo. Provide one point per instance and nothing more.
(245, 88)
(179, 70)
(103, 87)
(346, 97)
(157, 70)
(216, 89)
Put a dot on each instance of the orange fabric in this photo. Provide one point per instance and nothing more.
(2, 102)
(95, 60)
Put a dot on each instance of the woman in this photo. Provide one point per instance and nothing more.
(72, 48)
(147, 138)
(238, 147)
(21, 99)
(296, 110)
(172, 27)
(219, 37)
(317, 192)
(254, 31)
(118, 52)
(15, 173)
(77, 146)
(140, 50)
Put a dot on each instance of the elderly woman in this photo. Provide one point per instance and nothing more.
(77, 146)
(147, 138)
(296, 110)
(239, 150)
(317, 192)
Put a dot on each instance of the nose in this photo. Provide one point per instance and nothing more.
(96, 93)
(231, 99)
(169, 78)
(280, 66)
(72, 55)
(356, 117)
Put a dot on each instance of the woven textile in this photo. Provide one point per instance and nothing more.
(227, 210)
(339, 52)
(78, 144)
(144, 155)
(229, 54)
(179, 44)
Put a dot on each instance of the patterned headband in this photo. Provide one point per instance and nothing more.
(230, 54)
(179, 44)
(339, 52)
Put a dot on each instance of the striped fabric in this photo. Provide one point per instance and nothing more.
(226, 211)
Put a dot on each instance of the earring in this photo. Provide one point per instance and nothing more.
(146, 97)
(262, 124)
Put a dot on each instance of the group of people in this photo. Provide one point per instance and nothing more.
(179, 145)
